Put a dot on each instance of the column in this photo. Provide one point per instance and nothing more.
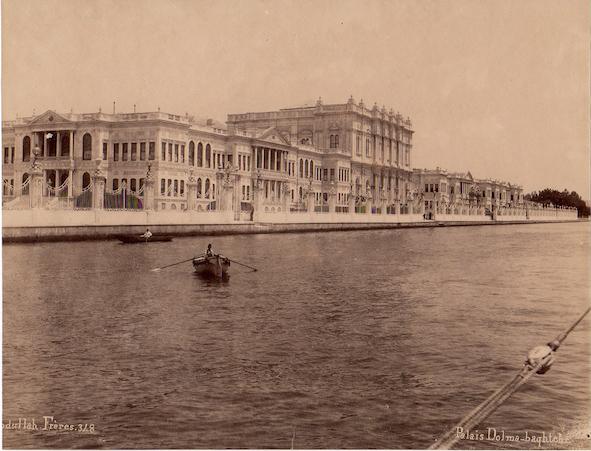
(71, 145)
(351, 203)
(58, 149)
(98, 192)
(71, 183)
(311, 201)
(148, 196)
(36, 188)
(45, 144)
(331, 200)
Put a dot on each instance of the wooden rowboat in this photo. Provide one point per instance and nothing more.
(214, 266)
(131, 239)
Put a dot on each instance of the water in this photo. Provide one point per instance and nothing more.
(373, 339)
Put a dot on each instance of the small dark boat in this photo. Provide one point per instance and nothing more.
(212, 266)
(131, 239)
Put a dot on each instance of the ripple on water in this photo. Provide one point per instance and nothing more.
(377, 339)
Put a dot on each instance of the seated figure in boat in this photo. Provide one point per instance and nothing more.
(147, 235)
(209, 252)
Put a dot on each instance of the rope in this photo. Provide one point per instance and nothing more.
(486, 408)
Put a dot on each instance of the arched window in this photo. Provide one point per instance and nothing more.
(311, 168)
(191, 153)
(336, 141)
(24, 180)
(162, 186)
(199, 188)
(200, 155)
(301, 193)
(306, 169)
(207, 196)
(301, 168)
(116, 184)
(26, 148)
(208, 156)
(87, 147)
(85, 180)
(213, 190)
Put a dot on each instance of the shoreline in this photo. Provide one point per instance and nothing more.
(16, 235)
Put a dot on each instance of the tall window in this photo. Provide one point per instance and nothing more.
(142, 151)
(208, 156)
(301, 168)
(152, 151)
(367, 151)
(183, 153)
(358, 145)
(115, 151)
(311, 168)
(162, 187)
(115, 184)
(85, 180)
(87, 147)
(176, 153)
(26, 148)
(133, 151)
(125, 152)
(169, 151)
(200, 155)
(163, 156)
(191, 153)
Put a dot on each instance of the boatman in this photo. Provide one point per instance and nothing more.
(209, 252)
(147, 235)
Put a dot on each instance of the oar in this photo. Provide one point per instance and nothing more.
(173, 264)
(251, 267)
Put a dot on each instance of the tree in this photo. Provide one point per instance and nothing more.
(564, 198)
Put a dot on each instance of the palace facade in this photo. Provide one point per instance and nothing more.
(324, 157)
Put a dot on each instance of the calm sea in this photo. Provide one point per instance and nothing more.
(373, 339)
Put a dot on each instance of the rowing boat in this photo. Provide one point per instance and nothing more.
(213, 266)
(131, 239)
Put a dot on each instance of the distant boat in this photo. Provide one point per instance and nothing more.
(131, 239)
(213, 266)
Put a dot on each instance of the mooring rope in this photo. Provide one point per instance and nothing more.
(539, 361)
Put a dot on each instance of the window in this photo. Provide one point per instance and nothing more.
(169, 151)
(87, 147)
(199, 188)
(208, 156)
(115, 184)
(191, 153)
(169, 186)
(133, 184)
(6, 149)
(115, 151)
(162, 186)
(163, 151)
(200, 155)
(301, 168)
(105, 151)
(133, 151)
(85, 180)
(367, 151)
(182, 193)
(142, 151)
(125, 152)
(176, 153)
(358, 146)
(182, 153)
(332, 174)
(152, 152)
(306, 169)
(176, 187)
(325, 174)
(26, 148)
(207, 188)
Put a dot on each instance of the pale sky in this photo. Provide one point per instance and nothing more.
(497, 87)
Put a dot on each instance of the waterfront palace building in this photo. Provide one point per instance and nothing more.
(349, 154)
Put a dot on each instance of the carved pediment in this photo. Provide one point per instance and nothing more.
(49, 118)
(274, 136)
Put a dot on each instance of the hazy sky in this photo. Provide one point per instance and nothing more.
(497, 87)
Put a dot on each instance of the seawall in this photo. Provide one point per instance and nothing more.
(31, 234)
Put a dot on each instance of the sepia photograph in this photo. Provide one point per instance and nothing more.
(296, 224)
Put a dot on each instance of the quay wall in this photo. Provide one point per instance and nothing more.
(35, 225)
